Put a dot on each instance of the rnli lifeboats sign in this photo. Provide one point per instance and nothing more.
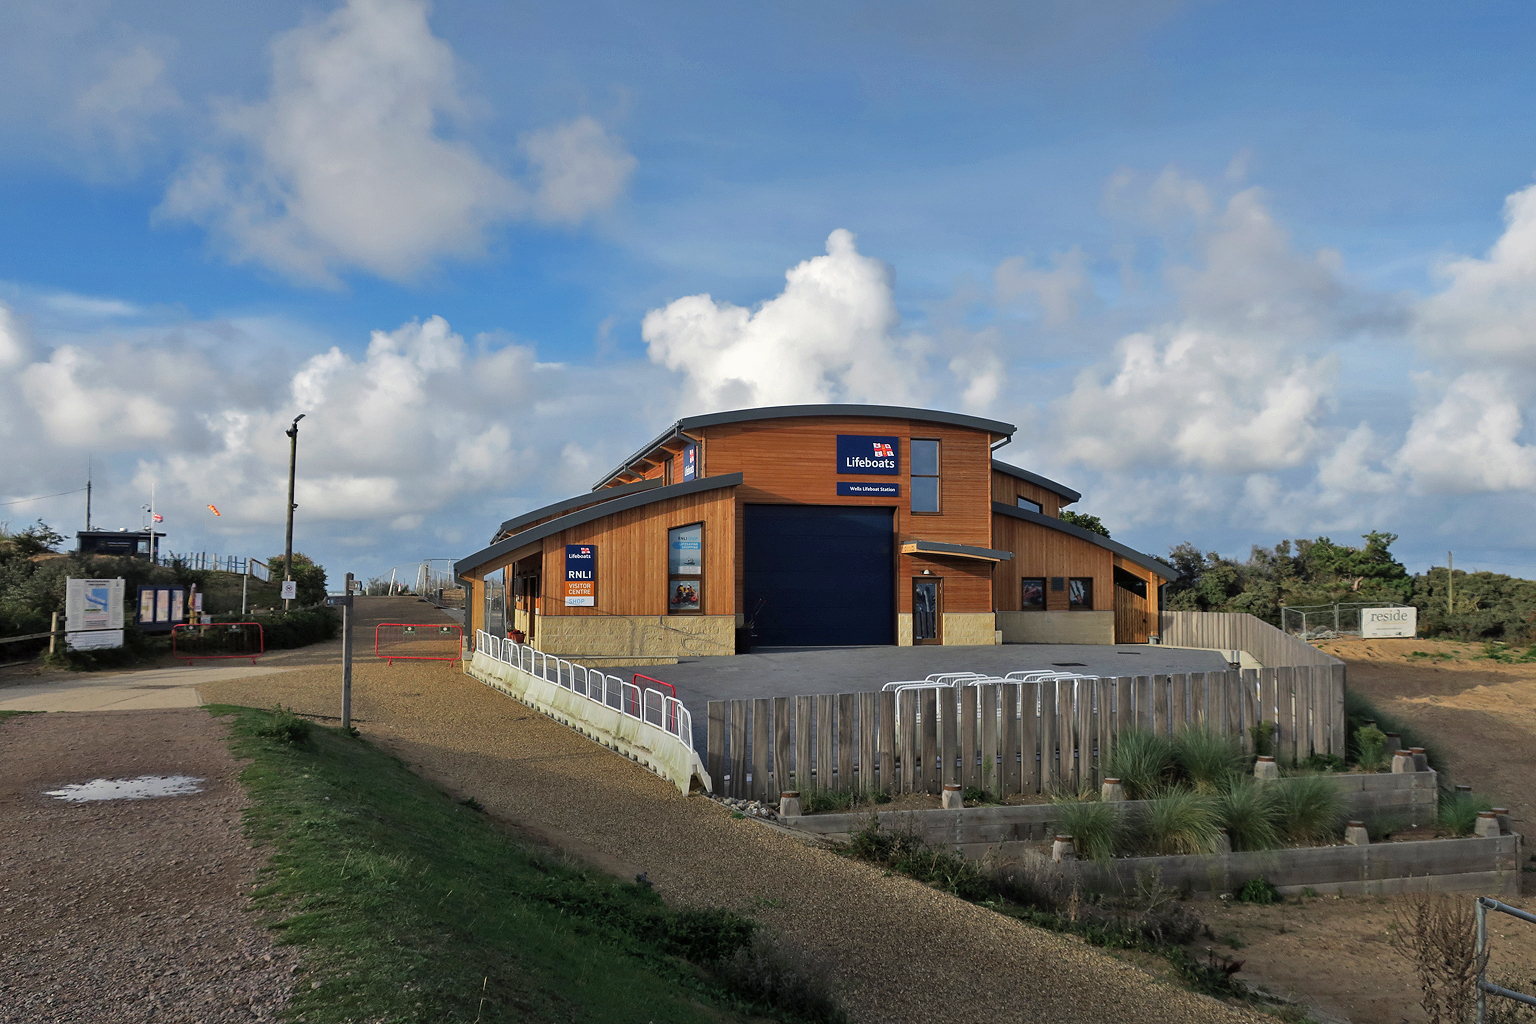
(580, 575)
(864, 455)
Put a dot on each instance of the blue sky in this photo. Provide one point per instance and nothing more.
(1238, 271)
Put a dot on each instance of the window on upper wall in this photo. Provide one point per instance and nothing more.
(1033, 594)
(685, 570)
(925, 475)
(1080, 593)
(1025, 503)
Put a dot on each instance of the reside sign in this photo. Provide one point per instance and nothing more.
(580, 576)
(1382, 623)
(864, 455)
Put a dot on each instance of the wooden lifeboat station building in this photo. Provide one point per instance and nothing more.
(807, 526)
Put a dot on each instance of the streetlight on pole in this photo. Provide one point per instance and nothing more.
(293, 458)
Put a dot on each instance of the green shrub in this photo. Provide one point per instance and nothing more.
(977, 795)
(285, 726)
(1371, 744)
(1248, 812)
(1143, 762)
(826, 801)
(1458, 812)
(298, 627)
(1209, 760)
(1258, 891)
(1316, 762)
(1097, 829)
(1179, 822)
(1311, 809)
(1263, 734)
(1358, 710)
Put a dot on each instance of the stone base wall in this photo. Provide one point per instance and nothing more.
(636, 636)
(1057, 627)
(970, 629)
(903, 629)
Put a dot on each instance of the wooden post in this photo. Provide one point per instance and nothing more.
(739, 763)
(781, 747)
(1008, 768)
(989, 774)
(866, 767)
(847, 718)
(53, 634)
(761, 722)
(825, 739)
(949, 735)
(931, 780)
(714, 744)
(973, 768)
(1049, 723)
(805, 735)
(906, 737)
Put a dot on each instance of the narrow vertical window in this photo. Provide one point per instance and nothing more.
(685, 570)
(1080, 593)
(925, 475)
(1032, 599)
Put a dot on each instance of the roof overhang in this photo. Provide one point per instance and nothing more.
(633, 499)
(938, 547)
(1160, 568)
(516, 523)
(783, 412)
(1039, 481)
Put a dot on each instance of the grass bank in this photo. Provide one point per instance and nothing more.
(409, 906)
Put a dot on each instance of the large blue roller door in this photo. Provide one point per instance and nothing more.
(820, 575)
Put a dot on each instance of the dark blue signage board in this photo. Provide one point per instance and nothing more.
(849, 489)
(863, 455)
(580, 575)
(691, 462)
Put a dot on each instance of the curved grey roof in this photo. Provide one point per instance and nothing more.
(1162, 568)
(517, 522)
(635, 499)
(1038, 480)
(782, 412)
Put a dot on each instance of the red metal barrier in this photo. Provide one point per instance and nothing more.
(197, 641)
(417, 641)
(658, 682)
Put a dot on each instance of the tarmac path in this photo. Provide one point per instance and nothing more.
(897, 951)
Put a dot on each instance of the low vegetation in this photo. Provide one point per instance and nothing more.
(409, 905)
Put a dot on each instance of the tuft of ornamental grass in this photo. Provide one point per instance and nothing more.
(1179, 822)
(1142, 761)
(1249, 812)
(1458, 812)
(1310, 809)
(1097, 829)
(1208, 759)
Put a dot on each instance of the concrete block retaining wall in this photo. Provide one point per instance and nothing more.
(648, 745)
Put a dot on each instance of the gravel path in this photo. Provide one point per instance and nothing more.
(898, 951)
(128, 910)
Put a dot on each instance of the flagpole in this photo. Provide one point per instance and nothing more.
(152, 560)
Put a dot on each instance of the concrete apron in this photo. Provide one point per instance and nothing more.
(648, 745)
(124, 691)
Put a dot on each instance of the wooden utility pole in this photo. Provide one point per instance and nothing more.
(346, 657)
(293, 459)
(1450, 584)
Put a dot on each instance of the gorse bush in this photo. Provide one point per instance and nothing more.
(1178, 823)
(1143, 762)
(1209, 760)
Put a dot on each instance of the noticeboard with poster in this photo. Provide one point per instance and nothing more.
(93, 613)
(1385, 623)
(160, 607)
(683, 596)
(685, 551)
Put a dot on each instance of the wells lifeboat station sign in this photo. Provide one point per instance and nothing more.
(868, 455)
(580, 575)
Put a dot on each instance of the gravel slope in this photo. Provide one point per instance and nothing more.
(898, 951)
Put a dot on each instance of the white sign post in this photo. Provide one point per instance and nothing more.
(93, 614)
(290, 590)
(1385, 623)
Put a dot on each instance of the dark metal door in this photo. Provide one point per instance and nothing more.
(819, 575)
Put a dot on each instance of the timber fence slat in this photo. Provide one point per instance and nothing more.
(1085, 733)
(1336, 693)
(1029, 738)
(760, 722)
(804, 737)
(1106, 694)
(972, 768)
(1008, 712)
(1160, 705)
(906, 729)
(866, 768)
(781, 748)
(949, 736)
(714, 743)
(738, 713)
(847, 717)
(886, 702)
(1050, 776)
(928, 765)
(825, 737)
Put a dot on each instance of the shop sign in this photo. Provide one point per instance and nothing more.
(1381, 623)
(850, 489)
(866, 455)
(580, 576)
(691, 462)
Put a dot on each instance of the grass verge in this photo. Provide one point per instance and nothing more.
(11, 714)
(411, 906)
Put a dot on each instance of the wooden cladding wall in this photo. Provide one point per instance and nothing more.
(967, 582)
(1241, 632)
(1009, 738)
(1043, 552)
(632, 557)
(1008, 489)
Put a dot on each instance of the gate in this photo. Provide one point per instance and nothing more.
(417, 641)
(1485, 988)
(198, 641)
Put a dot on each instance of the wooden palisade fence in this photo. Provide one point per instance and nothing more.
(1006, 738)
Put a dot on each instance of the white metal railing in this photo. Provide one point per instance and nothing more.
(628, 698)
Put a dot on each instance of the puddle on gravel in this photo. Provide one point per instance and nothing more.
(141, 788)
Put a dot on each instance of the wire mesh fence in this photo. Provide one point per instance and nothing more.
(1324, 621)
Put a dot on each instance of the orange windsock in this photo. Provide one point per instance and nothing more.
(214, 509)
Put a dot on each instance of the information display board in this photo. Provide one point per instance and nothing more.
(93, 614)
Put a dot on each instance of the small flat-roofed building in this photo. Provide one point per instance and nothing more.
(134, 543)
(808, 526)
